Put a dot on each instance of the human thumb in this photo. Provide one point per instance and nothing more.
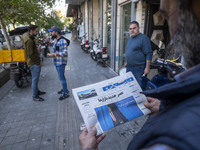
(93, 132)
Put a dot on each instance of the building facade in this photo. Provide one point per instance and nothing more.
(108, 20)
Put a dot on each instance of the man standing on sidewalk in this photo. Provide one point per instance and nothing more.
(33, 60)
(60, 59)
(138, 54)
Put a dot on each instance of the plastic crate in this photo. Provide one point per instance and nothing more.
(18, 55)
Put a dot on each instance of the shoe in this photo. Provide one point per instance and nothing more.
(64, 96)
(60, 92)
(41, 92)
(37, 98)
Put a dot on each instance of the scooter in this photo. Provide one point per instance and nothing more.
(44, 48)
(99, 54)
(85, 44)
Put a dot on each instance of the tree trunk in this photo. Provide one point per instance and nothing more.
(5, 34)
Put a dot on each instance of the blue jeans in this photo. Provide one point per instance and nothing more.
(138, 72)
(61, 74)
(35, 73)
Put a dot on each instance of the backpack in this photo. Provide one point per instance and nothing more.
(67, 40)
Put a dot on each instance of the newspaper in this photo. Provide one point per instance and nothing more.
(110, 103)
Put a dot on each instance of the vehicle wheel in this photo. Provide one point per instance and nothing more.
(83, 46)
(104, 64)
(93, 56)
(85, 49)
(19, 83)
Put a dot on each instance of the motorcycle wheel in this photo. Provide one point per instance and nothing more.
(93, 56)
(103, 63)
(86, 49)
(19, 83)
(83, 46)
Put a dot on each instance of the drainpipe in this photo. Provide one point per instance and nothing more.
(113, 33)
(101, 23)
(133, 11)
(88, 19)
(91, 17)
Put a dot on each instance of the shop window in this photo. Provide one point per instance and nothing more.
(125, 22)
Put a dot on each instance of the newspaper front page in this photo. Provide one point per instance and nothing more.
(110, 103)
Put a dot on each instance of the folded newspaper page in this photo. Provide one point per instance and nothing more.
(111, 102)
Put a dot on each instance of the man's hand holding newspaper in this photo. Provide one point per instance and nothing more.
(110, 103)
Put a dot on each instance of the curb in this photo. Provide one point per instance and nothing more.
(4, 77)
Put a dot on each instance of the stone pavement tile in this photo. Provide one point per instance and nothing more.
(47, 141)
(40, 120)
(30, 115)
(33, 144)
(16, 124)
(37, 128)
(11, 115)
(8, 119)
(1, 139)
(3, 132)
(28, 123)
(8, 140)
(4, 126)
(36, 147)
(41, 114)
(19, 146)
(22, 112)
(49, 132)
(2, 116)
(21, 137)
(49, 125)
(26, 129)
(52, 112)
(7, 147)
(19, 118)
(51, 147)
(12, 131)
(35, 135)
(51, 118)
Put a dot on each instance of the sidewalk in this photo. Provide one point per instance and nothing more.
(54, 124)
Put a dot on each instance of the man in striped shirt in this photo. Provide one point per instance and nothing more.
(60, 59)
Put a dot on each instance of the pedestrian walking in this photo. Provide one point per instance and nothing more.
(59, 56)
(33, 61)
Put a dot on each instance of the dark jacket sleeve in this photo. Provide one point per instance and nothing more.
(32, 53)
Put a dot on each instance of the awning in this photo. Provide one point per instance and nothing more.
(71, 9)
(74, 2)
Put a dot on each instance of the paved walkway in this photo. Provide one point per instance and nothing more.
(54, 124)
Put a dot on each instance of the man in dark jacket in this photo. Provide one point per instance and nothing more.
(176, 125)
(33, 61)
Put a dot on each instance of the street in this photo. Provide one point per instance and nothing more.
(55, 125)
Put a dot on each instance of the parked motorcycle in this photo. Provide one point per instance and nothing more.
(85, 44)
(99, 54)
(44, 48)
